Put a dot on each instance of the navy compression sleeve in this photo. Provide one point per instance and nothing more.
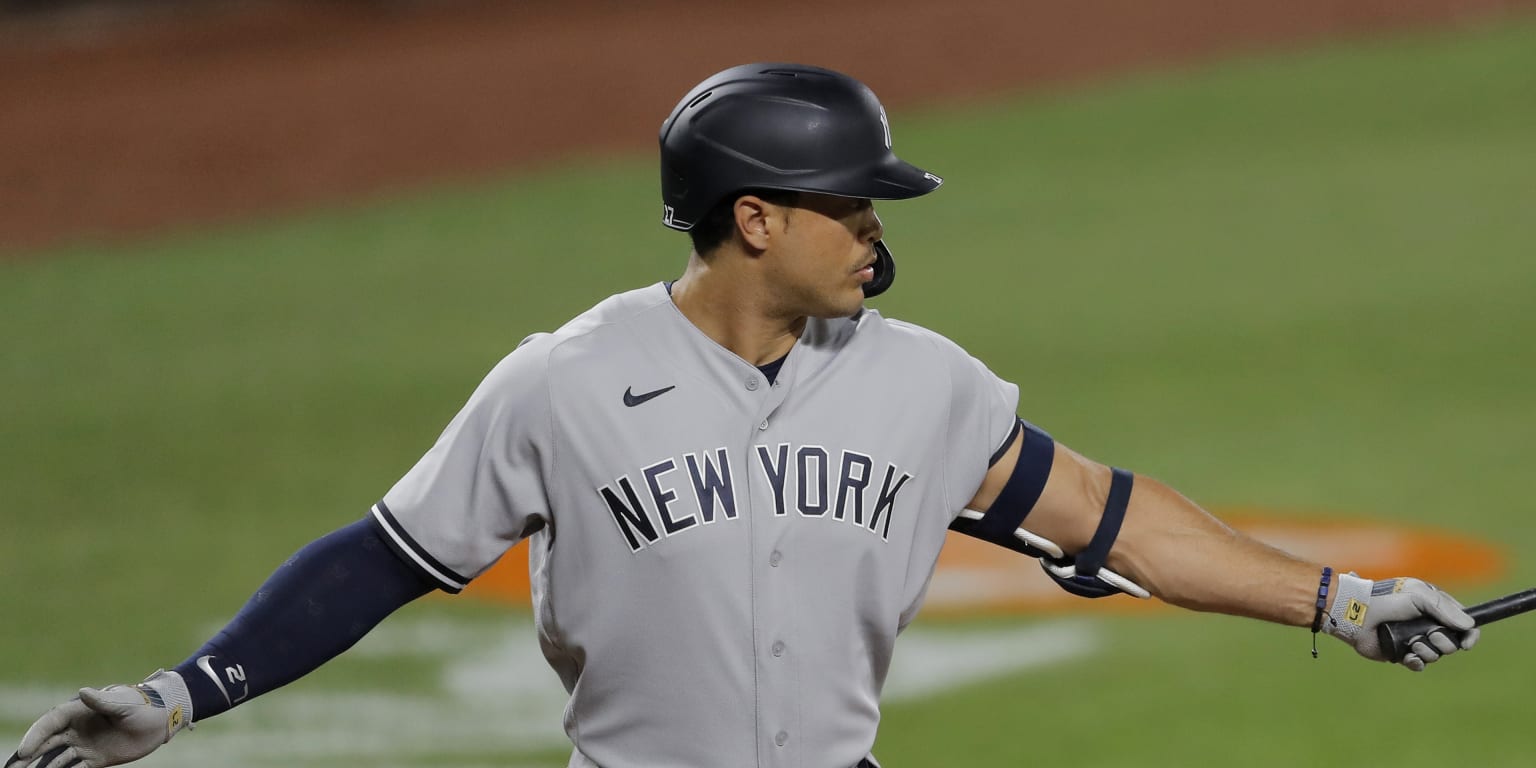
(316, 605)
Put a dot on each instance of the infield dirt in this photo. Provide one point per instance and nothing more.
(115, 128)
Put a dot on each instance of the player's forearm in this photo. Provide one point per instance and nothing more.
(316, 605)
(1188, 558)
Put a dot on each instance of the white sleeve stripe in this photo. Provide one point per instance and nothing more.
(1013, 432)
(406, 546)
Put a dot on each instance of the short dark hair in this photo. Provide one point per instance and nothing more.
(717, 224)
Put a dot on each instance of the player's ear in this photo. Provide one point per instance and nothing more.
(753, 216)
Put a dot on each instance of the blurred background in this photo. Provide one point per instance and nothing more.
(254, 254)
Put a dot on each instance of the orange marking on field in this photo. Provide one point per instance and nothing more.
(974, 577)
(506, 580)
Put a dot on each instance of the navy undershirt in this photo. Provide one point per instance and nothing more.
(313, 607)
(771, 370)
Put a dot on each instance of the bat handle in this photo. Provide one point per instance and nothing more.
(1397, 637)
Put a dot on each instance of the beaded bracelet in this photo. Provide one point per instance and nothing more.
(1322, 600)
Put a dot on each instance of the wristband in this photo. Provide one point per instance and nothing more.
(1322, 602)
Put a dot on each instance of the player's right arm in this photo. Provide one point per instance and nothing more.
(316, 605)
(473, 495)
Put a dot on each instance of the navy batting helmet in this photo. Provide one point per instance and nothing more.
(783, 126)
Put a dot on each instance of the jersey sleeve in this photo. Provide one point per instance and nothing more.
(480, 489)
(983, 420)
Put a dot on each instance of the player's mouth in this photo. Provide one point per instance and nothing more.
(866, 273)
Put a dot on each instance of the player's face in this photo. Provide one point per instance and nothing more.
(826, 255)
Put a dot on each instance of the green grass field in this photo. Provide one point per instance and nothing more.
(1303, 281)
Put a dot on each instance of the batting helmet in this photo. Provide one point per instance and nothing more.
(783, 126)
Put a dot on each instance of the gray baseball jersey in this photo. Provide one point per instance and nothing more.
(720, 565)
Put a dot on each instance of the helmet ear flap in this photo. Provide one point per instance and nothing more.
(885, 271)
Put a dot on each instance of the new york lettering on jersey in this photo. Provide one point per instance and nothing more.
(803, 484)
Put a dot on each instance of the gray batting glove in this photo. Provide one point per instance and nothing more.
(1362, 605)
(108, 726)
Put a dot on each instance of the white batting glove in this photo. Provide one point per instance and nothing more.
(1362, 605)
(107, 726)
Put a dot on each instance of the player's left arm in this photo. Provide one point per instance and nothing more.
(1167, 544)
(1187, 557)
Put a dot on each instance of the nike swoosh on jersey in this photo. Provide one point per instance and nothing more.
(632, 400)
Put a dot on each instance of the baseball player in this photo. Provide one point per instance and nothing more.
(735, 485)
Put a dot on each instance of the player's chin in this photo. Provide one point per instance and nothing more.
(846, 303)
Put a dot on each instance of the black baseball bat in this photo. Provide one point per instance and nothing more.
(1397, 636)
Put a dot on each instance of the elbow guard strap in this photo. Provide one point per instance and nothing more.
(1001, 523)
(1090, 560)
(1084, 574)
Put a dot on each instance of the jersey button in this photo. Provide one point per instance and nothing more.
(763, 425)
(752, 383)
(773, 559)
(780, 737)
(778, 649)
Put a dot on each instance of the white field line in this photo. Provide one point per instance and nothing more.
(933, 661)
(496, 695)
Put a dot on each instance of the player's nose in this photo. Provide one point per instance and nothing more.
(874, 230)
